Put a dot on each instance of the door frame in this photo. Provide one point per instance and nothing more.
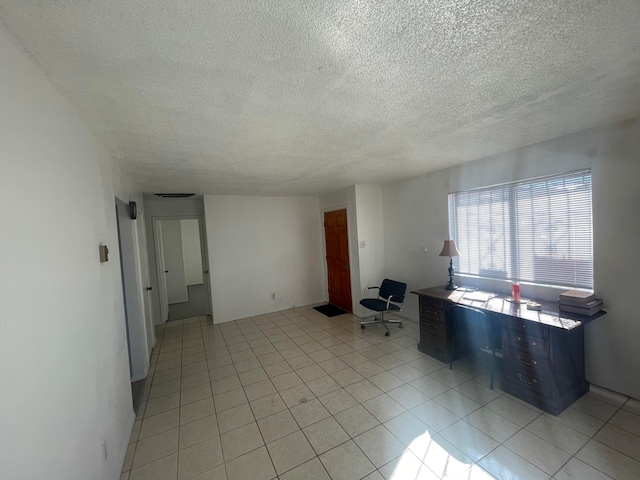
(352, 257)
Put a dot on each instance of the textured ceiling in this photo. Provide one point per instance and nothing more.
(305, 97)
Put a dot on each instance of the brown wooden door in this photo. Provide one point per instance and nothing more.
(338, 268)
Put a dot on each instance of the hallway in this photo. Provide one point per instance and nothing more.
(198, 304)
(296, 395)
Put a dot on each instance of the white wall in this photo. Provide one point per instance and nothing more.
(262, 245)
(370, 219)
(174, 261)
(192, 251)
(415, 213)
(63, 356)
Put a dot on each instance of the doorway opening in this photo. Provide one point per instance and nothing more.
(183, 275)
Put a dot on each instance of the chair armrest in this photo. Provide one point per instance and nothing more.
(389, 301)
(397, 303)
(364, 293)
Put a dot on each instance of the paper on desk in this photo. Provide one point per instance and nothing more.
(479, 296)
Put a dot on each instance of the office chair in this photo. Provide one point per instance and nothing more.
(477, 329)
(390, 299)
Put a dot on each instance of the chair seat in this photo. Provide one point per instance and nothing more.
(388, 290)
(378, 305)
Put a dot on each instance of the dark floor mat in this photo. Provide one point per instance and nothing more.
(330, 310)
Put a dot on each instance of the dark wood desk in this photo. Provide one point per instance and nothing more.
(543, 351)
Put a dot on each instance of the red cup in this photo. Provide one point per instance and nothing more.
(515, 291)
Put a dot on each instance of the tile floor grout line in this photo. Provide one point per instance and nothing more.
(609, 446)
(576, 457)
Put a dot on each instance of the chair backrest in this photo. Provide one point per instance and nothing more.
(473, 324)
(391, 287)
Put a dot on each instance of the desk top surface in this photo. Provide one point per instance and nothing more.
(549, 315)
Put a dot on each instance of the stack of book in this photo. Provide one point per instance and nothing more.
(582, 303)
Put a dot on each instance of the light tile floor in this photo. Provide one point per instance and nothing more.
(297, 395)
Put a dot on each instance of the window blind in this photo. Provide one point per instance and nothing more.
(537, 231)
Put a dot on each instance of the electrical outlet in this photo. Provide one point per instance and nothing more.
(104, 253)
(273, 296)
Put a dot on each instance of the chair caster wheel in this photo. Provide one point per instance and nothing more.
(386, 334)
(362, 327)
(400, 325)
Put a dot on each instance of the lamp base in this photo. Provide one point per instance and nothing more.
(451, 285)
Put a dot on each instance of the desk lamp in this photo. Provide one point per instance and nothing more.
(449, 250)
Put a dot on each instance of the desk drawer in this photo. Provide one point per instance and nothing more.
(526, 327)
(432, 302)
(535, 382)
(430, 313)
(434, 339)
(528, 344)
(433, 326)
(527, 364)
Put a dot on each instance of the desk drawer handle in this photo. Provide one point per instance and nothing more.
(532, 382)
(526, 343)
(531, 363)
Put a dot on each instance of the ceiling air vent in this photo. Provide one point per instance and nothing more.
(174, 195)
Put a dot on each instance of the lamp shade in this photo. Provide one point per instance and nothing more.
(449, 249)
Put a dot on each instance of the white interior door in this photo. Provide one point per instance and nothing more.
(146, 280)
(162, 280)
(133, 303)
(205, 263)
(192, 251)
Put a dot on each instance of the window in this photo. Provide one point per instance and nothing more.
(536, 231)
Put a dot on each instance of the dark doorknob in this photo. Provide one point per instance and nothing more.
(166, 271)
(148, 288)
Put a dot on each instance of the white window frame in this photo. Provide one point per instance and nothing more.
(538, 231)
